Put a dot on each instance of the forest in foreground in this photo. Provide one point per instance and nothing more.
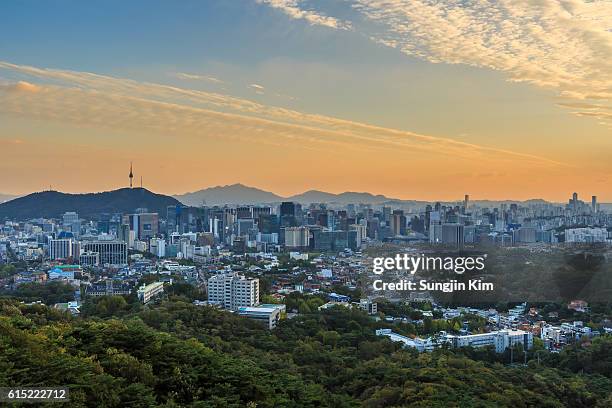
(177, 354)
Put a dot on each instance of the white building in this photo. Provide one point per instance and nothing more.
(297, 237)
(233, 291)
(586, 235)
(89, 259)
(500, 340)
(421, 345)
(268, 315)
(60, 249)
(110, 252)
(148, 292)
(368, 306)
(298, 256)
(157, 246)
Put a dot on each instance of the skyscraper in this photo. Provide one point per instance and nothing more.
(594, 203)
(72, 223)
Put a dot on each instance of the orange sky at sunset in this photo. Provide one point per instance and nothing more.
(363, 98)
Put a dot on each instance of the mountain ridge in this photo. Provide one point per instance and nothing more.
(241, 194)
(52, 204)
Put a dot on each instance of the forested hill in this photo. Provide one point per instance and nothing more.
(176, 354)
(52, 204)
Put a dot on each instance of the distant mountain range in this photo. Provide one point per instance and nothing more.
(52, 204)
(241, 194)
(233, 194)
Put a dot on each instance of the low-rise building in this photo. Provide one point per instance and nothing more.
(148, 292)
(500, 340)
(269, 315)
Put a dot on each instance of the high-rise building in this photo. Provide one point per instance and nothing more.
(594, 203)
(386, 214)
(157, 246)
(452, 234)
(575, 201)
(72, 223)
(398, 222)
(290, 214)
(111, 252)
(233, 291)
(60, 249)
(144, 225)
(297, 237)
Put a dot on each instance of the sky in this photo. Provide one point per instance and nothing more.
(414, 99)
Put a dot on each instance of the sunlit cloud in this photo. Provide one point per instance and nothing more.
(101, 101)
(564, 46)
(296, 10)
(198, 77)
(259, 89)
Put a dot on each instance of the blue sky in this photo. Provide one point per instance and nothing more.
(498, 85)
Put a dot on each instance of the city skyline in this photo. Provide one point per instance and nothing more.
(290, 96)
(587, 197)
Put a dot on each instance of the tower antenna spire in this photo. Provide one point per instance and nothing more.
(131, 175)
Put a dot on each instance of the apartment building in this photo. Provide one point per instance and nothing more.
(232, 291)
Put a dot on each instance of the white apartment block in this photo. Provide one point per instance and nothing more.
(586, 235)
(233, 291)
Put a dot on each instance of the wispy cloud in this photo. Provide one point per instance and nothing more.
(259, 89)
(562, 45)
(90, 99)
(296, 10)
(198, 77)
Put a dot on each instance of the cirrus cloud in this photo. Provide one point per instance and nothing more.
(562, 45)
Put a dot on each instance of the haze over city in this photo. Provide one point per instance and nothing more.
(413, 100)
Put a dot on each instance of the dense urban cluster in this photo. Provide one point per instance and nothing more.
(277, 265)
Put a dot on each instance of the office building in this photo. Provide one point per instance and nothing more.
(144, 225)
(72, 223)
(398, 223)
(108, 288)
(60, 249)
(297, 238)
(89, 259)
(157, 246)
(110, 252)
(452, 234)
